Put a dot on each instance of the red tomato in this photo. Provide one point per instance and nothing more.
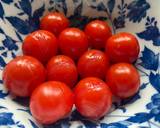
(62, 68)
(93, 98)
(98, 32)
(123, 47)
(93, 63)
(73, 42)
(22, 75)
(40, 44)
(51, 101)
(54, 22)
(123, 79)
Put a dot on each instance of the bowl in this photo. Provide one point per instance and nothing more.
(140, 17)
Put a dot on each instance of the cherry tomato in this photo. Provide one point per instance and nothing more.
(98, 32)
(62, 68)
(93, 98)
(123, 79)
(51, 101)
(22, 75)
(93, 63)
(54, 22)
(123, 47)
(73, 42)
(40, 44)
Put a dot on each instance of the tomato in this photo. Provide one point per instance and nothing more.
(73, 42)
(22, 75)
(54, 22)
(123, 79)
(98, 32)
(40, 44)
(93, 63)
(62, 68)
(51, 101)
(123, 47)
(93, 98)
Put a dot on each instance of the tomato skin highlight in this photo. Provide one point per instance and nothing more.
(123, 47)
(40, 44)
(93, 63)
(51, 101)
(54, 22)
(73, 42)
(98, 33)
(22, 75)
(62, 68)
(93, 98)
(123, 80)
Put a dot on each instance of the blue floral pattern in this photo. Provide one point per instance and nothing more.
(6, 119)
(119, 13)
(154, 107)
(152, 31)
(137, 10)
(119, 22)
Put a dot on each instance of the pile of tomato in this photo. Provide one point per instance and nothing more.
(63, 66)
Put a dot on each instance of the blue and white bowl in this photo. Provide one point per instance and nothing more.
(140, 17)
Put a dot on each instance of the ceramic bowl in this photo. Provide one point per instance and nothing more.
(140, 17)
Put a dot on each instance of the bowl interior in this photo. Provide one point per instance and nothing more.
(20, 17)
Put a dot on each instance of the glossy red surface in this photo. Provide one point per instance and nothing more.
(123, 80)
(40, 44)
(93, 63)
(22, 75)
(93, 98)
(62, 68)
(51, 101)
